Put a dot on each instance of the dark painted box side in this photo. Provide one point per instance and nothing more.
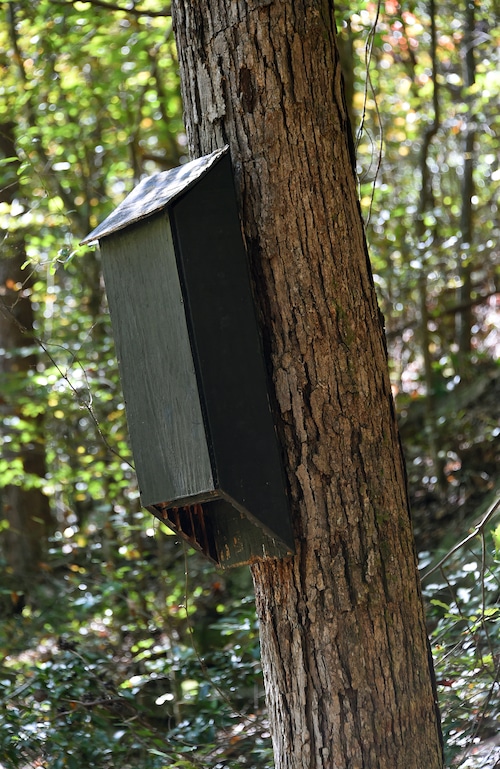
(227, 351)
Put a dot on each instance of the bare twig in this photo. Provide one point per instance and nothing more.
(64, 375)
(369, 86)
(477, 530)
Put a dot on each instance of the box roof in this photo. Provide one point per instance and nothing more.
(153, 194)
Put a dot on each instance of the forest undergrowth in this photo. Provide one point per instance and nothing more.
(134, 651)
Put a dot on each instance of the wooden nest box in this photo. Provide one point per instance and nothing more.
(191, 364)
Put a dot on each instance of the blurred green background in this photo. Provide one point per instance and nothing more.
(118, 645)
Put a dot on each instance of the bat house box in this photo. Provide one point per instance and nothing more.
(192, 370)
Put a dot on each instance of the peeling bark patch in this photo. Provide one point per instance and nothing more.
(246, 89)
(211, 94)
(254, 4)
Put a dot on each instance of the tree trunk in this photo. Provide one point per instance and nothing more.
(24, 507)
(344, 647)
(465, 317)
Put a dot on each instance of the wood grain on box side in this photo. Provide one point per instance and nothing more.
(156, 365)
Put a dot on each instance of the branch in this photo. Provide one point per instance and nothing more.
(113, 7)
(426, 196)
(442, 313)
(477, 530)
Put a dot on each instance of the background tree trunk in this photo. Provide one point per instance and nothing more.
(465, 317)
(26, 510)
(343, 638)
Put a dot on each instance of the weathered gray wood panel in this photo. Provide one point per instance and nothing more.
(156, 365)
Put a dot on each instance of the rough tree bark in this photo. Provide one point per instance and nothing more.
(344, 646)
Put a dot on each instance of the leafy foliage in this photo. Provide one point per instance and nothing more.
(464, 613)
(111, 655)
(415, 101)
(110, 664)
